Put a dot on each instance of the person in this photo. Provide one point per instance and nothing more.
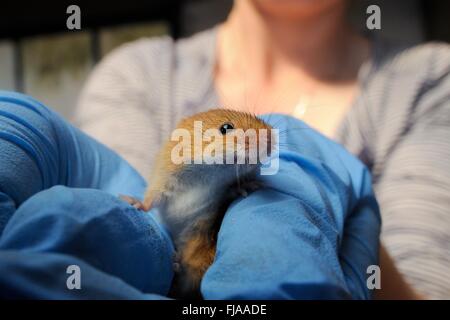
(387, 104)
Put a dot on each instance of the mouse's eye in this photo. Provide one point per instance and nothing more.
(226, 127)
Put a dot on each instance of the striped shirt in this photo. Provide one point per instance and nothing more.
(399, 126)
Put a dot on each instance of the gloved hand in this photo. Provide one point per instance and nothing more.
(285, 241)
(310, 233)
(122, 253)
(44, 150)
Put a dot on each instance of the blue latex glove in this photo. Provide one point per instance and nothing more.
(311, 234)
(122, 253)
(286, 241)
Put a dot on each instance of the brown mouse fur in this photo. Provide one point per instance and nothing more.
(195, 235)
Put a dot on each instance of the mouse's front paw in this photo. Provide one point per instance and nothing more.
(176, 262)
(134, 202)
(248, 187)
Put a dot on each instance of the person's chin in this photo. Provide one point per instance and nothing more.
(295, 9)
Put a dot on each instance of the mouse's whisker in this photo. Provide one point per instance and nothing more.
(293, 129)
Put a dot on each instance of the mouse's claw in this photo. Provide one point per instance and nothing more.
(176, 262)
(134, 202)
(243, 192)
(248, 187)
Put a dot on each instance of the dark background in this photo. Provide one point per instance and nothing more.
(19, 19)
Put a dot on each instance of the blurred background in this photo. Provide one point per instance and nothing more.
(41, 57)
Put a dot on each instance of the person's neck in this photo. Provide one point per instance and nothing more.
(320, 47)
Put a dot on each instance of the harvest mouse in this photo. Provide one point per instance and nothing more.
(192, 196)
